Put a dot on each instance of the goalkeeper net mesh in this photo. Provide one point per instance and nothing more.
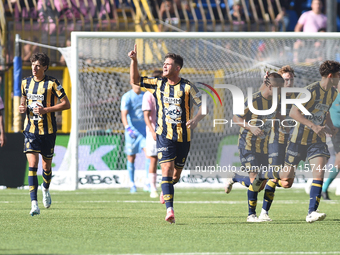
(101, 68)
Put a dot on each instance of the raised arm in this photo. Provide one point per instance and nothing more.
(134, 74)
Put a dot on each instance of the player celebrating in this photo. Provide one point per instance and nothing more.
(174, 96)
(40, 94)
(253, 137)
(308, 138)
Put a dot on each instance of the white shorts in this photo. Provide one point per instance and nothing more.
(151, 149)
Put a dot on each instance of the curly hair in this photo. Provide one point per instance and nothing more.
(329, 67)
(286, 69)
(43, 59)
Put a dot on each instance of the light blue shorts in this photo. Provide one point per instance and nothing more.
(134, 145)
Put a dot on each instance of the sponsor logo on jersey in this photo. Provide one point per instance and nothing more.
(172, 100)
(35, 97)
(173, 111)
(162, 149)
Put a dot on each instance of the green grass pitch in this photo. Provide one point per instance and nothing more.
(208, 221)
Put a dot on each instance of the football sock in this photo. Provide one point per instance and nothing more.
(168, 191)
(252, 200)
(131, 169)
(332, 175)
(315, 194)
(268, 197)
(244, 180)
(147, 165)
(47, 176)
(33, 182)
(174, 181)
(152, 180)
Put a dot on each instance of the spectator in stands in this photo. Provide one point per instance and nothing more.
(167, 14)
(312, 21)
(238, 15)
(282, 18)
(28, 50)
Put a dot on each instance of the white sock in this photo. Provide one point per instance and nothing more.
(169, 209)
(264, 211)
(152, 179)
(34, 202)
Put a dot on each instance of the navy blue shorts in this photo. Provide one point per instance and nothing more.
(43, 144)
(169, 150)
(252, 161)
(297, 152)
(276, 153)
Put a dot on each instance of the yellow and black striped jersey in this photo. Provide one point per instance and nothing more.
(319, 104)
(173, 106)
(279, 134)
(247, 139)
(45, 93)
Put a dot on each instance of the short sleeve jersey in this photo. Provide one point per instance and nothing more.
(44, 93)
(318, 106)
(173, 105)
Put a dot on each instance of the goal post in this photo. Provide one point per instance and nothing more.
(100, 76)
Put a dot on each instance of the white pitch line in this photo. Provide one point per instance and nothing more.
(239, 253)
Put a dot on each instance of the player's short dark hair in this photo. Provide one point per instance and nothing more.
(157, 73)
(43, 59)
(276, 78)
(177, 58)
(286, 69)
(329, 66)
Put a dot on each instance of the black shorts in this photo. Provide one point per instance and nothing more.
(336, 141)
(169, 150)
(43, 144)
(276, 153)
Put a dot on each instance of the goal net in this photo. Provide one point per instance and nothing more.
(100, 77)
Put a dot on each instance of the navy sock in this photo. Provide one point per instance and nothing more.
(33, 182)
(252, 200)
(268, 197)
(315, 194)
(244, 180)
(168, 191)
(47, 176)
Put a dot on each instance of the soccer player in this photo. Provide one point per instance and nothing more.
(254, 135)
(174, 96)
(39, 100)
(308, 137)
(135, 134)
(278, 140)
(335, 116)
(2, 125)
(149, 110)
